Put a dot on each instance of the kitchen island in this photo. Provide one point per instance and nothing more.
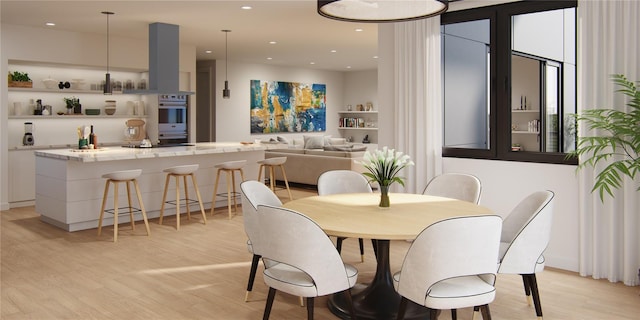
(69, 183)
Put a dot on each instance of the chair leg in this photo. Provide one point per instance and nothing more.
(215, 192)
(352, 309)
(402, 308)
(229, 176)
(144, 212)
(233, 187)
(361, 243)
(195, 186)
(260, 170)
(186, 196)
(433, 314)
(374, 243)
(164, 198)
(131, 220)
(536, 295)
(267, 308)
(486, 313)
(272, 182)
(527, 288)
(286, 182)
(339, 244)
(454, 314)
(115, 212)
(252, 275)
(104, 203)
(476, 310)
(310, 308)
(177, 203)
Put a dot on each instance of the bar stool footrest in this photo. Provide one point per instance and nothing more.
(123, 210)
(183, 202)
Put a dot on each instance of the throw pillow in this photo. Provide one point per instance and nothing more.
(313, 142)
(337, 141)
(283, 140)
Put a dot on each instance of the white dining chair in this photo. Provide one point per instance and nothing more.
(344, 181)
(461, 186)
(451, 265)
(254, 194)
(525, 236)
(315, 266)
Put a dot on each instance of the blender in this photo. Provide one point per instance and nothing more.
(27, 140)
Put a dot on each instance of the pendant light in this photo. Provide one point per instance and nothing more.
(381, 10)
(226, 92)
(107, 78)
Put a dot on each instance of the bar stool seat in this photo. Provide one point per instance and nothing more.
(183, 172)
(270, 164)
(229, 168)
(115, 178)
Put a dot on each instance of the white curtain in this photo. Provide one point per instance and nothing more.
(418, 99)
(608, 40)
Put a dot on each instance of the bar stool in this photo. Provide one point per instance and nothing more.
(182, 172)
(229, 167)
(270, 164)
(126, 176)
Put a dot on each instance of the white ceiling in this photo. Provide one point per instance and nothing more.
(301, 34)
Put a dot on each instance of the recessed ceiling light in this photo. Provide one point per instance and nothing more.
(269, 58)
(348, 67)
(272, 42)
(334, 51)
(359, 29)
(312, 62)
(375, 57)
(208, 51)
(246, 7)
(50, 24)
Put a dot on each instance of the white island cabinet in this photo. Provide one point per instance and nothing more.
(69, 183)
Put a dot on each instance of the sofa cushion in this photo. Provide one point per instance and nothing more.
(291, 151)
(337, 141)
(313, 142)
(349, 148)
(283, 140)
(320, 152)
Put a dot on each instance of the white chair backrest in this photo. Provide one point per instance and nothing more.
(527, 230)
(342, 181)
(294, 239)
(254, 194)
(450, 248)
(459, 186)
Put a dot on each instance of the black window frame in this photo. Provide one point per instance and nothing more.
(500, 81)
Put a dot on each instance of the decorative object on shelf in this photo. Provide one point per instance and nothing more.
(516, 147)
(369, 106)
(359, 107)
(348, 107)
(366, 139)
(616, 140)
(72, 105)
(92, 112)
(38, 108)
(28, 140)
(110, 107)
(226, 92)
(384, 166)
(19, 79)
(50, 83)
(77, 84)
(381, 10)
(64, 85)
(301, 107)
(17, 108)
(107, 82)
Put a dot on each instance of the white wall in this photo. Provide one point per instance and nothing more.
(233, 122)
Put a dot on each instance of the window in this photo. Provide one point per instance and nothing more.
(509, 82)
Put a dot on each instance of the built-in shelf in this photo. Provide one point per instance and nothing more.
(65, 91)
(364, 128)
(357, 112)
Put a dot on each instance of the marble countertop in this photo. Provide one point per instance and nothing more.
(120, 153)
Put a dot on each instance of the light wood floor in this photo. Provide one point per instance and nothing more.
(200, 272)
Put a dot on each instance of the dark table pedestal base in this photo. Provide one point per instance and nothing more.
(378, 300)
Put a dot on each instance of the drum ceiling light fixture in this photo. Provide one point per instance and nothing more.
(376, 11)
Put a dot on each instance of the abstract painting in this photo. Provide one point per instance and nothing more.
(278, 106)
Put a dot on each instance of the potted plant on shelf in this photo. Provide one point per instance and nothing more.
(617, 138)
(384, 166)
(19, 79)
(72, 104)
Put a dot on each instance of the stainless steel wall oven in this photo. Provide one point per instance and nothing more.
(173, 118)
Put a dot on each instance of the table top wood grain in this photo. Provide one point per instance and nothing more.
(357, 215)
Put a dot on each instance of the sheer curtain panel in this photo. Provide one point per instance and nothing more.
(608, 44)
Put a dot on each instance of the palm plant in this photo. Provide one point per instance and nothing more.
(618, 139)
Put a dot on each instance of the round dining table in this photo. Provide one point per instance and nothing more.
(357, 215)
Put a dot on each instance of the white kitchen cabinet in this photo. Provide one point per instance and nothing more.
(22, 178)
(358, 124)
